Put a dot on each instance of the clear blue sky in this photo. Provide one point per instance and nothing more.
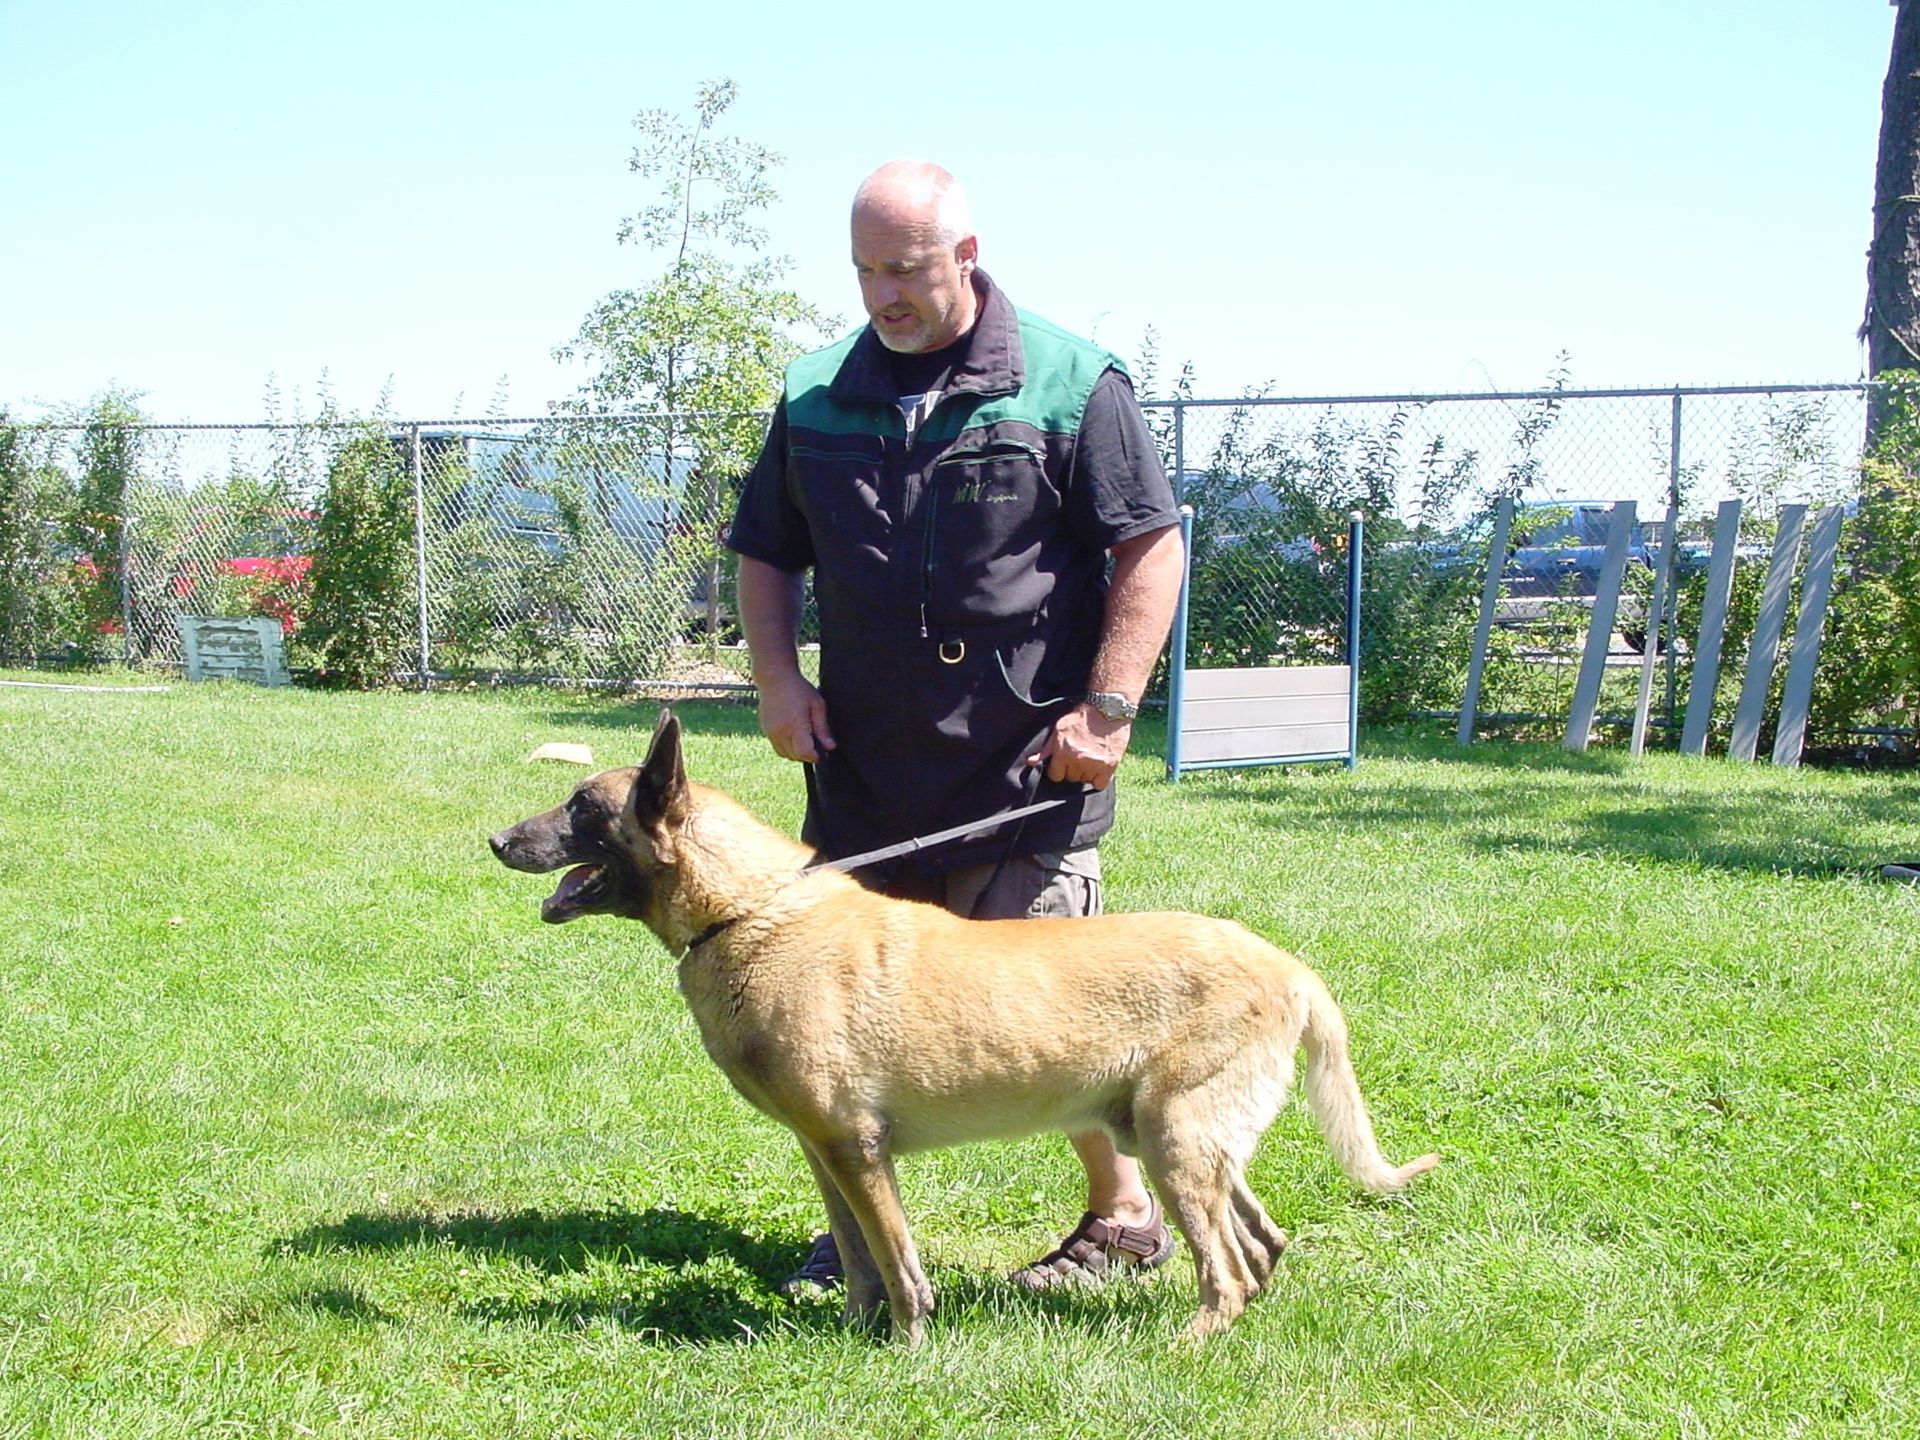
(1369, 197)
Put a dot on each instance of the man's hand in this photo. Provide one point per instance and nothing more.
(793, 717)
(1085, 746)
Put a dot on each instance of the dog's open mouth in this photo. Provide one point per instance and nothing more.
(578, 888)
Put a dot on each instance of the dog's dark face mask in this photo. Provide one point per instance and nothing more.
(608, 833)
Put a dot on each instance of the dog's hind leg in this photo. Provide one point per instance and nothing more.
(1261, 1241)
(1193, 1177)
(862, 1170)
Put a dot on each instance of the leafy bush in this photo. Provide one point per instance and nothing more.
(61, 532)
(96, 525)
(38, 593)
(362, 611)
(1870, 659)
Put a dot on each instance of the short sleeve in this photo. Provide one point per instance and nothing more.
(767, 525)
(1118, 489)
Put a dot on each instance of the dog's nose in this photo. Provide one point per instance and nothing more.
(498, 844)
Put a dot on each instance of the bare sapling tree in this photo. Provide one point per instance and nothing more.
(700, 347)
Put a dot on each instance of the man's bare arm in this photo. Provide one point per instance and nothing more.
(1141, 599)
(793, 716)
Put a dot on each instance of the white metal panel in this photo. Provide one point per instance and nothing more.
(1489, 602)
(1198, 715)
(1269, 742)
(1816, 586)
(1713, 626)
(1271, 682)
(1606, 606)
(1764, 649)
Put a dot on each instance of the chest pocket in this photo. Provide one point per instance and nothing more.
(840, 487)
(992, 507)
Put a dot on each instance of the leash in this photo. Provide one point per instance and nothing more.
(905, 847)
(939, 837)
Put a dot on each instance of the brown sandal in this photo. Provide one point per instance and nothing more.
(1097, 1248)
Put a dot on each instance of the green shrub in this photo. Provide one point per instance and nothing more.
(363, 608)
(39, 585)
(1870, 659)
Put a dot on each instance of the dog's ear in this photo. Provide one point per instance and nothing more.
(660, 791)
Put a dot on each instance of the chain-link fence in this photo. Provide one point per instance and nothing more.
(573, 548)
(531, 549)
(1272, 482)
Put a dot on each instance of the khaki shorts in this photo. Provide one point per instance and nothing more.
(1046, 883)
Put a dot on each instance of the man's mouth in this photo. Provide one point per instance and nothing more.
(579, 887)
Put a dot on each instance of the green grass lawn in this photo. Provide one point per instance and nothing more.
(312, 1128)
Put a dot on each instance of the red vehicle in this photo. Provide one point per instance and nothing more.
(271, 576)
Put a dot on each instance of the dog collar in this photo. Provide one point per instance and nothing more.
(705, 935)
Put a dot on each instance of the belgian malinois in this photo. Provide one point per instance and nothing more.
(873, 1027)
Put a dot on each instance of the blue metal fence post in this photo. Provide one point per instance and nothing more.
(420, 551)
(1177, 659)
(1354, 532)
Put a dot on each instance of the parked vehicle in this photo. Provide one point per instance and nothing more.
(1555, 552)
(267, 577)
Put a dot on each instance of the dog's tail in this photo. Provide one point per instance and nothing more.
(1334, 1096)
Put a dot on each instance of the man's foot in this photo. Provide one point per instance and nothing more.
(1098, 1249)
(821, 1271)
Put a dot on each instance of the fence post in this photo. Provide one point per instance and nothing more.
(1355, 535)
(1177, 658)
(126, 590)
(1670, 619)
(1179, 450)
(420, 548)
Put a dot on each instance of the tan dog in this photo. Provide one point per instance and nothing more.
(873, 1027)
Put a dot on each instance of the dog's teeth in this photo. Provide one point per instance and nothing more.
(571, 882)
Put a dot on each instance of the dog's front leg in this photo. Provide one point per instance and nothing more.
(862, 1171)
(865, 1289)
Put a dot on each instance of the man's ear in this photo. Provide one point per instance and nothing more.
(660, 790)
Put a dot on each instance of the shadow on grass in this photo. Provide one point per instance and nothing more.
(555, 1243)
(1550, 805)
(686, 1307)
(343, 1304)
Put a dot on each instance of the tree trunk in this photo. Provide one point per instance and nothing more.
(1892, 327)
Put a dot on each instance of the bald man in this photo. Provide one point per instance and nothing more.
(996, 558)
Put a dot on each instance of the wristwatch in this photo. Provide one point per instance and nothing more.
(1112, 704)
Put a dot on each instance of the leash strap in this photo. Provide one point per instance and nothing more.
(922, 842)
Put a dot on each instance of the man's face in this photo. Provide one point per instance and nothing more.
(918, 292)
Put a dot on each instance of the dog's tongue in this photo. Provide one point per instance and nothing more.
(572, 881)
